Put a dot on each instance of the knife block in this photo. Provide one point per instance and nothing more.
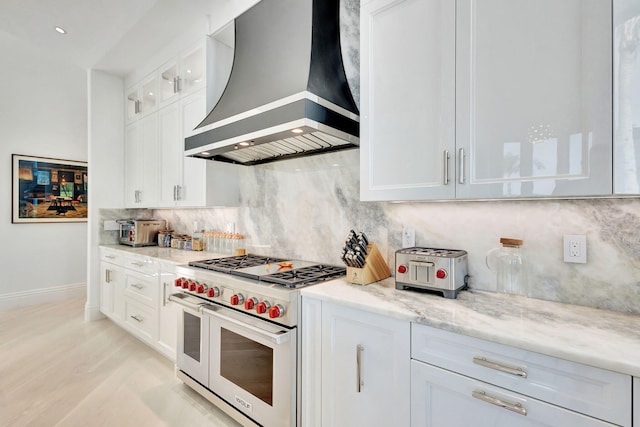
(375, 268)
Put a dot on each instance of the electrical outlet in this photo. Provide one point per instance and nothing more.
(575, 248)
(408, 237)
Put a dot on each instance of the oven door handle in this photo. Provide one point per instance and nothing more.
(182, 300)
(279, 337)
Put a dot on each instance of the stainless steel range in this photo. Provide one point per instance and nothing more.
(238, 342)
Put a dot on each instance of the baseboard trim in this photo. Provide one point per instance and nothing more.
(42, 296)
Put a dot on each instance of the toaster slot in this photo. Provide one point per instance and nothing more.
(421, 272)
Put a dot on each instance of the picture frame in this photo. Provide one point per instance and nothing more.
(47, 190)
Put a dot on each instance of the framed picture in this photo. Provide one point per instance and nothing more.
(48, 190)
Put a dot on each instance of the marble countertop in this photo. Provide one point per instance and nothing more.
(600, 338)
(174, 256)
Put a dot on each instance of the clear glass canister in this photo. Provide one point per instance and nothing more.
(508, 265)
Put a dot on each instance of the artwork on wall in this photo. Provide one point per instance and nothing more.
(48, 190)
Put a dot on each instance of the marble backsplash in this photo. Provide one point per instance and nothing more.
(304, 208)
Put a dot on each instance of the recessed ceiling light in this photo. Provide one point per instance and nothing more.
(297, 130)
(205, 153)
(244, 144)
(60, 30)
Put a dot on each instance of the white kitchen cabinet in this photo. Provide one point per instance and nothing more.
(442, 398)
(407, 120)
(364, 367)
(479, 99)
(131, 296)
(142, 98)
(187, 181)
(141, 163)
(167, 313)
(533, 98)
(626, 90)
(449, 370)
(111, 286)
(183, 75)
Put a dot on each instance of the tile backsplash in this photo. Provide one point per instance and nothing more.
(304, 208)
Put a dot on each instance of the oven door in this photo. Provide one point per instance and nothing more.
(192, 350)
(253, 365)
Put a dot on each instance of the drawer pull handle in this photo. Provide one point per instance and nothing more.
(135, 285)
(499, 367)
(513, 407)
(137, 318)
(109, 256)
(138, 264)
(359, 383)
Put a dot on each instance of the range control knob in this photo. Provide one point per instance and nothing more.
(441, 273)
(250, 303)
(201, 288)
(185, 283)
(276, 311)
(236, 299)
(213, 292)
(402, 269)
(193, 285)
(263, 307)
(178, 282)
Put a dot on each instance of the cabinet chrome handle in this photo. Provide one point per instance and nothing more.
(178, 84)
(461, 165)
(446, 167)
(359, 382)
(137, 318)
(164, 293)
(519, 372)
(138, 264)
(179, 192)
(107, 276)
(514, 407)
(109, 256)
(137, 286)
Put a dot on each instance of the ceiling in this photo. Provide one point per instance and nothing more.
(110, 35)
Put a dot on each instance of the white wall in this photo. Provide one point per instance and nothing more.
(106, 157)
(43, 112)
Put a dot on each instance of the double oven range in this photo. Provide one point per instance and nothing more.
(238, 340)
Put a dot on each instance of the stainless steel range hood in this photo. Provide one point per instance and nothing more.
(287, 95)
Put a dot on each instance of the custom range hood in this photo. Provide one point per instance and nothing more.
(287, 95)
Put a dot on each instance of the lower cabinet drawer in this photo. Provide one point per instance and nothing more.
(440, 398)
(140, 319)
(596, 392)
(142, 287)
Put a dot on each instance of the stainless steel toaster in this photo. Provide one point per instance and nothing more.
(140, 232)
(439, 270)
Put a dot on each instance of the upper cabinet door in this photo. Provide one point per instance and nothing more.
(533, 98)
(407, 116)
(626, 104)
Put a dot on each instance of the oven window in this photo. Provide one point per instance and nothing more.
(192, 336)
(247, 364)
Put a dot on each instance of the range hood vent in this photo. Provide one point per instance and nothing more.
(287, 95)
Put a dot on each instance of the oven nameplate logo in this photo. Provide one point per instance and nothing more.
(246, 405)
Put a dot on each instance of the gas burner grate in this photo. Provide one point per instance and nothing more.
(228, 264)
(305, 275)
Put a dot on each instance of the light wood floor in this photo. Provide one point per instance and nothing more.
(58, 370)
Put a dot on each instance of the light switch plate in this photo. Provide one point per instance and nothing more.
(408, 237)
(110, 225)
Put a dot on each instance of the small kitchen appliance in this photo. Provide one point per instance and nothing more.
(438, 270)
(140, 232)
